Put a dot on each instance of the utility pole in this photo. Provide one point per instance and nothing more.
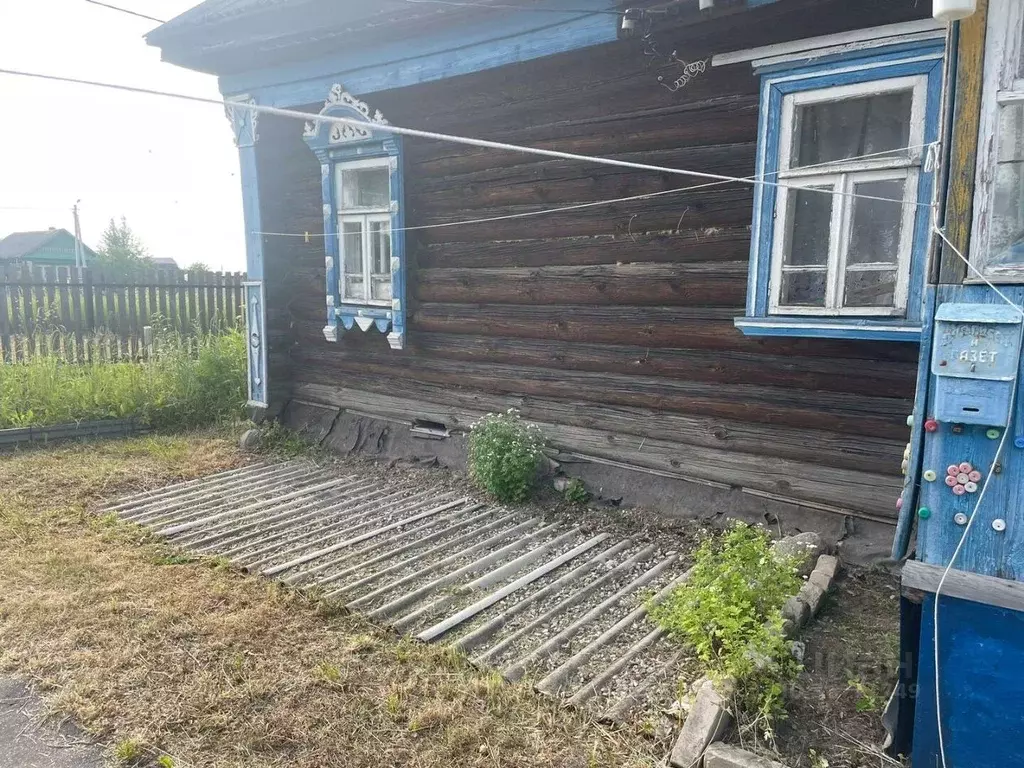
(79, 251)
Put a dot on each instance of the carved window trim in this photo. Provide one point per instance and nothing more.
(336, 146)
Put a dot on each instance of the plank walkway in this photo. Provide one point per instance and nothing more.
(535, 600)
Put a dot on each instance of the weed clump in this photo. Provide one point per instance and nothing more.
(189, 381)
(730, 613)
(504, 452)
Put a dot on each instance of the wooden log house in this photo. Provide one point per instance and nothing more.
(738, 349)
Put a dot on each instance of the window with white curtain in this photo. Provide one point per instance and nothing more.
(363, 195)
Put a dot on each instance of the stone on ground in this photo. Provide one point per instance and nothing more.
(707, 722)
(727, 756)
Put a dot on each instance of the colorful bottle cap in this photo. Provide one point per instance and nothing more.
(924, 513)
(929, 475)
(959, 490)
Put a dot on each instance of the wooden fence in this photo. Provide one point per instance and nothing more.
(81, 312)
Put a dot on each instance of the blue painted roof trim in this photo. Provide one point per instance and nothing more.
(463, 49)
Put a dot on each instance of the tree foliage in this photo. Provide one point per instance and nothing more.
(121, 250)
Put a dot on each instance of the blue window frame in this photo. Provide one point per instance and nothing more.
(826, 259)
(364, 237)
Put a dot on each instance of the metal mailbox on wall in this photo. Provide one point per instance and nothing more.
(974, 360)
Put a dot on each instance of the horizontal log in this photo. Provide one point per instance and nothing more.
(686, 245)
(795, 480)
(724, 119)
(867, 453)
(705, 208)
(711, 366)
(535, 180)
(614, 79)
(721, 284)
(654, 327)
(840, 412)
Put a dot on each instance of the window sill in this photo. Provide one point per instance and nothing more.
(830, 328)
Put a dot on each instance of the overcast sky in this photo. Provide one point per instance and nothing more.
(169, 166)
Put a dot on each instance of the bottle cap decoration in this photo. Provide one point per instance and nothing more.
(962, 478)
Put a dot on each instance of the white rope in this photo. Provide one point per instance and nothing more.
(467, 141)
(578, 206)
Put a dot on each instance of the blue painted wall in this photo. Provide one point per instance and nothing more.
(987, 551)
(981, 655)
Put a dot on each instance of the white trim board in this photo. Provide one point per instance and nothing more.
(923, 29)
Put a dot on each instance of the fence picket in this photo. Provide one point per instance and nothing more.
(101, 315)
(5, 316)
(181, 288)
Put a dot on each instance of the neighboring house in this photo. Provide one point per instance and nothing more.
(52, 247)
(164, 262)
(675, 352)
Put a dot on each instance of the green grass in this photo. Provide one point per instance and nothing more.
(190, 383)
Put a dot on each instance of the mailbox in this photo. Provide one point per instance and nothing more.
(975, 354)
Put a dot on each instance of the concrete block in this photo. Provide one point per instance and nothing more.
(727, 756)
(829, 565)
(807, 546)
(796, 611)
(820, 580)
(707, 722)
(813, 595)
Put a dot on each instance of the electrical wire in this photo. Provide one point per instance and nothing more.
(125, 10)
(981, 494)
(579, 206)
(464, 140)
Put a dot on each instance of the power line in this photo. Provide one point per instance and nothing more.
(593, 204)
(465, 140)
(125, 10)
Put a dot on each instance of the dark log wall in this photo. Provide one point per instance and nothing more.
(612, 325)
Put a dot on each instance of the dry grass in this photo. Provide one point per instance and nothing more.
(188, 659)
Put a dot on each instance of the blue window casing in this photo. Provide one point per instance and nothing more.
(335, 145)
(778, 81)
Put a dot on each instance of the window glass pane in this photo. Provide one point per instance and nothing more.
(838, 130)
(808, 226)
(870, 288)
(363, 187)
(1006, 243)
(352, 286)
(876, 225)
(380, 259)
(803, 289)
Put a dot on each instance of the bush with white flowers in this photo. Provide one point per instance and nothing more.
(504, 452)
